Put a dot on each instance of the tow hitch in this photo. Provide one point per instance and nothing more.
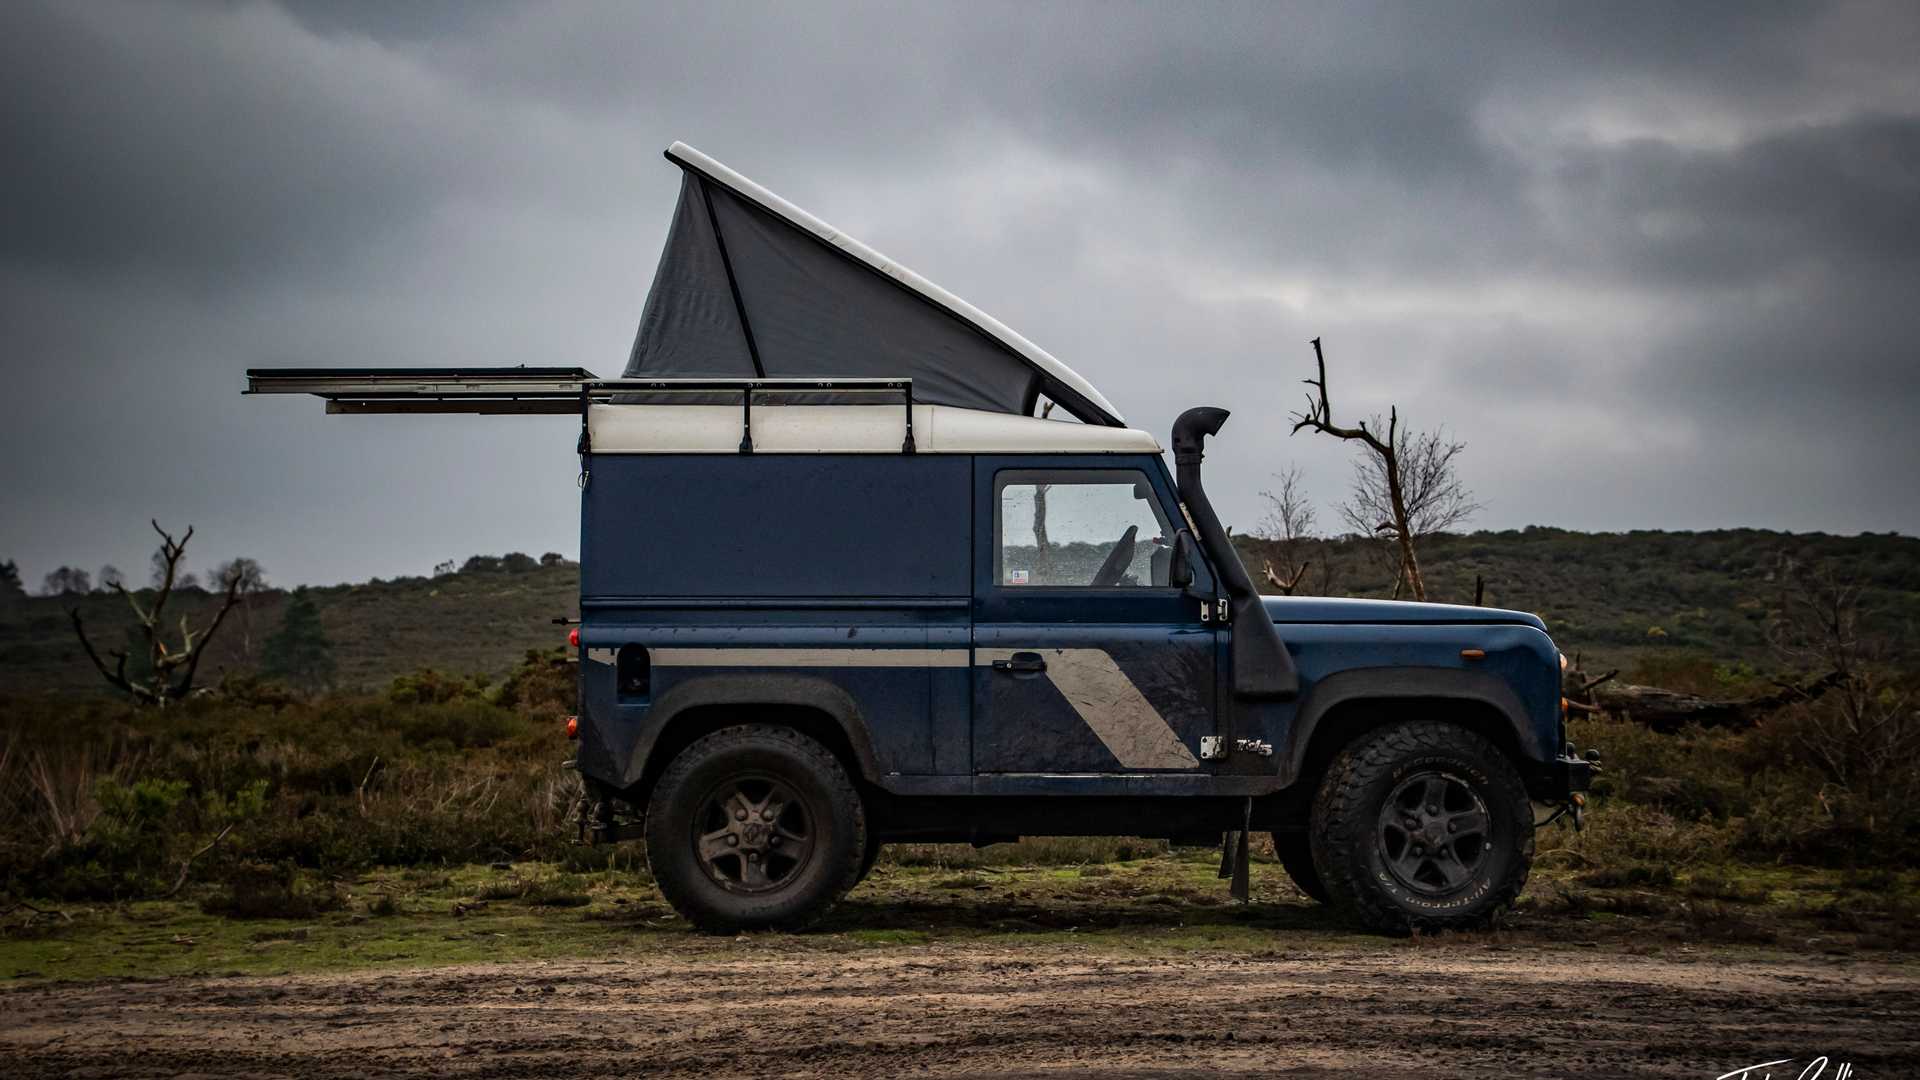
(1578, 772)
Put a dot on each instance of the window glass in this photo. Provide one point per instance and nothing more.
(1089, 528)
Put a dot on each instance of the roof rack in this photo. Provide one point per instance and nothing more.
(552, 391)
(431, 390)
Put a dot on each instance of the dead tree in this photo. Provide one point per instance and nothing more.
(1405, 489)
(170, 670)
(1866, 738)
(1289, 518)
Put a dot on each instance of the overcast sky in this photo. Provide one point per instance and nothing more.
(1658, 265)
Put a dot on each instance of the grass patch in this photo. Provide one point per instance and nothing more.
(1633, 874)
(1170, 903)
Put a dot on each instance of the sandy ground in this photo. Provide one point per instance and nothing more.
(1404, 1009)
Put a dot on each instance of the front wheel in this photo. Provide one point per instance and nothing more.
(755, 826)
(1422, 825)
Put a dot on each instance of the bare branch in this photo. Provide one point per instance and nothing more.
(170, 670)
(18, 904)
(1288, 522)
(187, 863)
(1436, 499)
(1319, 412)
(116, 677)
(193, 663)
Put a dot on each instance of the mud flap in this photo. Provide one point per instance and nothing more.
(1233, 856)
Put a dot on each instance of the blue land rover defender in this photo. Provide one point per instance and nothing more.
(859, 564)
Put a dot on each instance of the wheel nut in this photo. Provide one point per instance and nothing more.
(739, 815)
(753, 857)
(1453, 826)
(733, 841)
(1433, 809)
(774, 840)
(1418, 850)
(766, 815)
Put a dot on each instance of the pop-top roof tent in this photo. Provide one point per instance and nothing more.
(752, 286)
(756, 301)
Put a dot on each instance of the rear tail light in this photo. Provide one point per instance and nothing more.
(573, 637)
(573, 727)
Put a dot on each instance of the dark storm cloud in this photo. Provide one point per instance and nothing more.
(1653, 262)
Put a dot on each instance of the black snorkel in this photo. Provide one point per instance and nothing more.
(1261, 667)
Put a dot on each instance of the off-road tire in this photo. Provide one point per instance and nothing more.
(1295, 852)
(755, 754)
(1353, 849)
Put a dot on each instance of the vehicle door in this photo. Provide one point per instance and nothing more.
(1087, 661)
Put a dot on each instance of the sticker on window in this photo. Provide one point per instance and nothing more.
(1016, 577)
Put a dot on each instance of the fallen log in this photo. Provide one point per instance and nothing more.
(1670, 710)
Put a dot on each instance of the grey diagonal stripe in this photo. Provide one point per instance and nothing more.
(1133, 730)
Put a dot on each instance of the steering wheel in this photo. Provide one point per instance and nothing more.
(1118, 560)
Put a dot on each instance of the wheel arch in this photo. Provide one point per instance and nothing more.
(810, 705)
(1343, 706)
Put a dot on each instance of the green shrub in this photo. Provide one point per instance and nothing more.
(457, 725)
(269, 891)
(429, 687)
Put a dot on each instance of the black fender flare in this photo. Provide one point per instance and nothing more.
(748, 691)
(1433, 683)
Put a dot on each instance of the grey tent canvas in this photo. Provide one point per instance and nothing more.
(751, 286)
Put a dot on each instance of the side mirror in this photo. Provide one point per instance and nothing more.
(1180, 570)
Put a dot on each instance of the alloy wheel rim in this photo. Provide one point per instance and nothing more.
(1434, 833)
(754, 834)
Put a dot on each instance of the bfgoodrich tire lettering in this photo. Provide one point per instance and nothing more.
(1422, 825)
(755, 826)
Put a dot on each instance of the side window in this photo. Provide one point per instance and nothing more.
(1087, 528)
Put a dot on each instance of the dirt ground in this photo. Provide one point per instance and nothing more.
(756, 1007)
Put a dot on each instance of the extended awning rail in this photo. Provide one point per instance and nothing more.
(553, 391)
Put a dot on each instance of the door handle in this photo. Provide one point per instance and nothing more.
(1022, 661)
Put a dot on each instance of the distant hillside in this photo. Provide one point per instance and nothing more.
(474, 622)
(1623, 596)
(1618, 597)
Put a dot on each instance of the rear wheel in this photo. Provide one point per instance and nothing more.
(1295, 852)
(1422, 825)
(755, 826)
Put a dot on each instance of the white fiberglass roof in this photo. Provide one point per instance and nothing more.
(845, 429)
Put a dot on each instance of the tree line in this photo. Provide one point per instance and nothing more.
(73, 581)
(158, 661)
